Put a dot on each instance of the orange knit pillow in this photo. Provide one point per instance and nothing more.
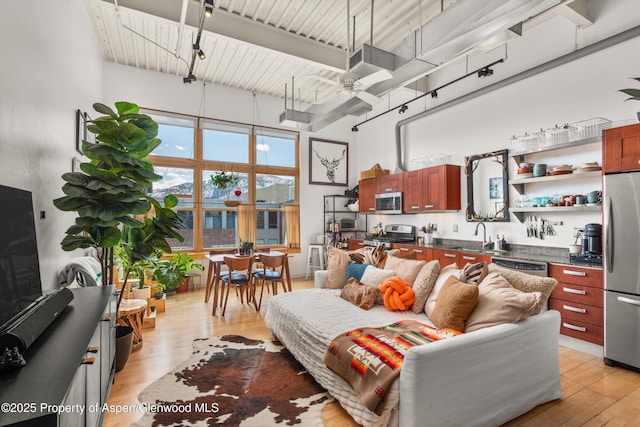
(397, 295)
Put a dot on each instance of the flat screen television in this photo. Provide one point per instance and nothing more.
(20, 285)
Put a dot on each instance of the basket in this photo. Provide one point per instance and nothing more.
(232, 203)
(588, 128)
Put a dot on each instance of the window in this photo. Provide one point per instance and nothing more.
(265, 163)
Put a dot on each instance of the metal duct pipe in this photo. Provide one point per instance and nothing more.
(561, 60)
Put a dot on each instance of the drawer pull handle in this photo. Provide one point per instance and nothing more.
(428, 206)
(93, 349)
(88, 361)
(450, 255)
(469, 258)
(388, 190)
(372, 209)
(418, 251)
(628, 300)
(106, 319)
(574, 309)
(574, 327)
(404, 249)
(574, 273)
(415, 206)
(360, 243)
(574, 291)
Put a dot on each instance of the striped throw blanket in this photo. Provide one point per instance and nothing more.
(370, 358)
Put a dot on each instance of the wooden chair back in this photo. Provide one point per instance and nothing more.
(240, 263)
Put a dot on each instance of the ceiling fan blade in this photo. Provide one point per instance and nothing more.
(323, 79)
(376, 77)
(368, 97)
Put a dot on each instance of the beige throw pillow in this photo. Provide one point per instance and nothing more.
(528, 283)
(407, 269)
(455, 303)
(337, 262)
(449, 270)
(423, 285)
(499, 302)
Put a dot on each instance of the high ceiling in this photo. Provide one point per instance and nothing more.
(259, 45)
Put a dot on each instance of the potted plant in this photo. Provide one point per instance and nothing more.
(221, 179)
(109, 192)
(172, 273)
(246, 248)
(634, 94)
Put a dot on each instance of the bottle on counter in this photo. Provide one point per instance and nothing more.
(503, 243)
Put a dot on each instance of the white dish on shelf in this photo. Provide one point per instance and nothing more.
(524, 175)
(594, 204)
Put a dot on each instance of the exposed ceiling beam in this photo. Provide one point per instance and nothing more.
(246, 30)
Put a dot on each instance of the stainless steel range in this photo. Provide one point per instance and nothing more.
(393, 233)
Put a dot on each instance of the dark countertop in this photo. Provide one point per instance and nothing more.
(517, 252)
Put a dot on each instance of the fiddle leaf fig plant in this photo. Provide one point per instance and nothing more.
(109, 191)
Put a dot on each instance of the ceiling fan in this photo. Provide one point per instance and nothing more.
(350, 83)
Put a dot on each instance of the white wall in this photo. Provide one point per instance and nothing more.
(50, 67)
(580, 90)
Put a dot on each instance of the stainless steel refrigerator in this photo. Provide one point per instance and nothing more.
(622, 269)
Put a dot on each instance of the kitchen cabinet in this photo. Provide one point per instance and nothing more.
(621, 151)
(520, 184)
(355, 244)
(389, 183)
(367, 195)
(579, 297)
(435, 188)
(422, 253)
(447, 257)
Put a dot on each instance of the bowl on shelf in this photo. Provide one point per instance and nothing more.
(354, 207)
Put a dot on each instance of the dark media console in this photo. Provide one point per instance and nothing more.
(71, 365)
(19, 335)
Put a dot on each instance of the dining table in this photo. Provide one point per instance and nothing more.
(216, 261)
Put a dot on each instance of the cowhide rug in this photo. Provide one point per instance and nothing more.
(235, 381)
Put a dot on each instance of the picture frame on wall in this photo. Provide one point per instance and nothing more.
(81, 130)
(328, 162)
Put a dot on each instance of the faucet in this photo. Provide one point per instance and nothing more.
(484, 233)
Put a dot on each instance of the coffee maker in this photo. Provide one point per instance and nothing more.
(592, 240)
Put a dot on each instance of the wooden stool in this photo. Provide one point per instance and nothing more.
(131, 313)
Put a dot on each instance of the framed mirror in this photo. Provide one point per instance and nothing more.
(487, 186)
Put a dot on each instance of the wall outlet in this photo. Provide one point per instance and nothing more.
(455, 228)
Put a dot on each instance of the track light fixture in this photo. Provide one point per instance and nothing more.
(403, 109)
(201, 54)
(190, 78)
(208, 8)
(434, 94)
(355, 129)
(485, 72)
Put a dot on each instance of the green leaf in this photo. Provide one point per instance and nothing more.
(633, 93)
(125, 108)
(103, 109)
(170, 201)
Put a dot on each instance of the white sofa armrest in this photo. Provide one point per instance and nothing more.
(488, 368)
(320, 276)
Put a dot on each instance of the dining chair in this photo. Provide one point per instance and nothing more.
(273, 272)
(240, 275)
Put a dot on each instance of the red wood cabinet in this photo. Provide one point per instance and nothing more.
(355, 244)
(367, 195)
(621, 149)
(389, 183)
(434, 188)
(579, 297)
(447, 257)
(422, 253)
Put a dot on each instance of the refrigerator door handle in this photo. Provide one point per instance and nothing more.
(629, 301)
(608, 238)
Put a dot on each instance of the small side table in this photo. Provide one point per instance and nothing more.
(131, 313)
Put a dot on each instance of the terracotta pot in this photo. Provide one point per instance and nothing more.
(184, 286)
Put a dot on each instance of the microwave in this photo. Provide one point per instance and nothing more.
(389, 203)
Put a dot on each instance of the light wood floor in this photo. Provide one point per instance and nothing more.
(592, 394)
